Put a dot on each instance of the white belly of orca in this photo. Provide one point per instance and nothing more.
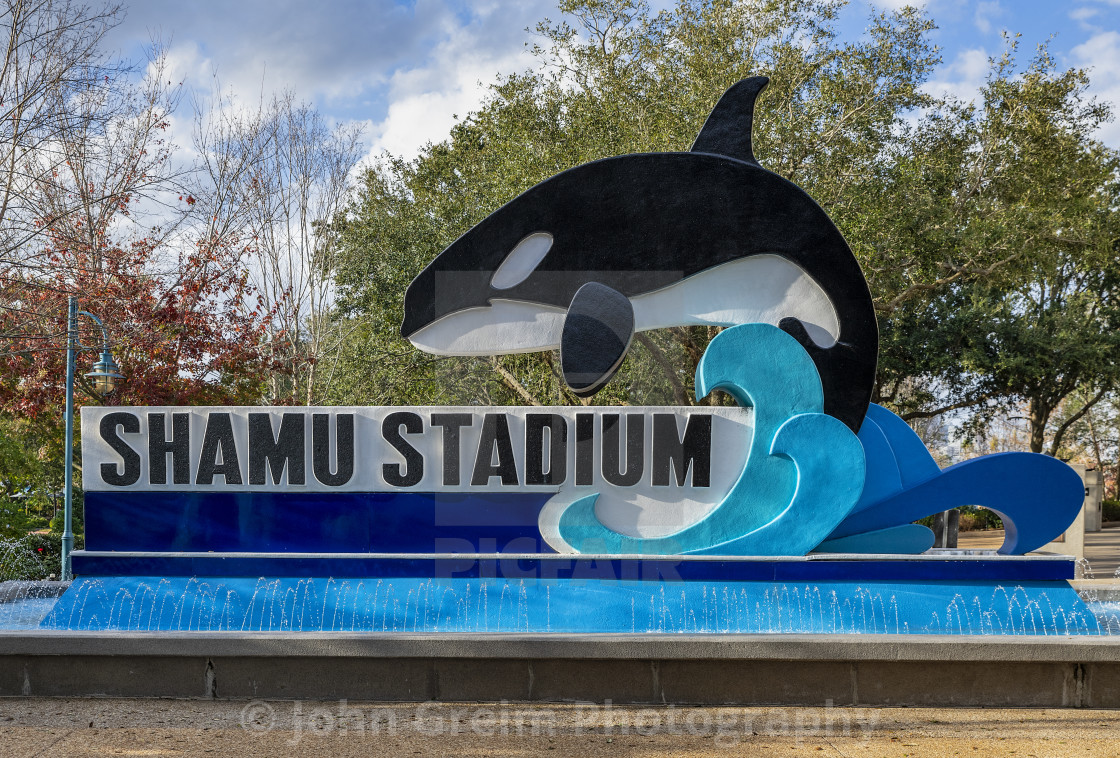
(757, 289)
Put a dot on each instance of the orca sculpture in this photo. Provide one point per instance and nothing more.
(636, 242)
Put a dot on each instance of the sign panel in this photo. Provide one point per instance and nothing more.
(654, 469)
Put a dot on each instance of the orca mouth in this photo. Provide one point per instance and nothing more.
(503, 327)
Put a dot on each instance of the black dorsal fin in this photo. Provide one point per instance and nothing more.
(728, 128)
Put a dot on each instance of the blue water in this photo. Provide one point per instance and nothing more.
(26, 613)
(542, 606)
(1108, 616)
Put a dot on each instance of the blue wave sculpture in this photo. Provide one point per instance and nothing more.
(803, 474)
(1037, 496)
(809, 483)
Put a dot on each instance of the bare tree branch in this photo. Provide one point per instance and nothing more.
(1065, 425)
(511, 381)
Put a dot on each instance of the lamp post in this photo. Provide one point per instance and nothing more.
(104, 379)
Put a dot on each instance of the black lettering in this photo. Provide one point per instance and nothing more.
(635, 453)
(413, 472)
(110, 472)
(535, 426)
(670, 452)
(495, 438)
(218, 441)
(451, 423)
(285, 449)
(585, 448)
(343, 446)
(179, 447)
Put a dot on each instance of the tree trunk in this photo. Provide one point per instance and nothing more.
(1116, 477)
(1096, 442)
(311, 377)
(1039, 414)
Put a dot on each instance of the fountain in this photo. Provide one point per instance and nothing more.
(377, 552)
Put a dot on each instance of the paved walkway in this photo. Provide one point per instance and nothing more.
(1102, 549)
(65, 728)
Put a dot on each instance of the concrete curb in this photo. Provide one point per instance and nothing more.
(702, 669)
(11, 591)
(1102, 590)
(791, 647)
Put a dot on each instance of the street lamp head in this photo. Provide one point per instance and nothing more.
(105, 374)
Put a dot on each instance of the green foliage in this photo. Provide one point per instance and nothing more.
(614, 77)
(1004, 234)
(32, 557)
(972, 518)
(31, 474)
(1039, 324)
(15, 522)
(57, 523)
(1110, 510)
(985, 229)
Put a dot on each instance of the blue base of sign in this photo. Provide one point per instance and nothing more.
(517, 566)
(310, 522)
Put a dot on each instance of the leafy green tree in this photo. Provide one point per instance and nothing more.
(1049, 340)
(985, 229)
(616, 78)
(1022, 308)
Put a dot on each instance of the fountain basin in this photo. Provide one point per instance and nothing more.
(548, 593)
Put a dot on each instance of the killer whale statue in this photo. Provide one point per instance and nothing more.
(593, 254)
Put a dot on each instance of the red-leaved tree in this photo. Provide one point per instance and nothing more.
(186, 328)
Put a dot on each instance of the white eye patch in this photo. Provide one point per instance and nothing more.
(522, 261)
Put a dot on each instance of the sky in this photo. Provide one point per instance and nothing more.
(405, 69)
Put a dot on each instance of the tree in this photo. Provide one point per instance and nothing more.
(1048, 341)
(277, 178)
(88, 170)
(1022, 306)
(30, 474)
(76, 135)
(618, 78)
(193, 337)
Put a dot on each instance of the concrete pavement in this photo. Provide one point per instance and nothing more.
(106, 727)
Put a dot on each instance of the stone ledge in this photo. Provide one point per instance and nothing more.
(706, 669)
(790, 647)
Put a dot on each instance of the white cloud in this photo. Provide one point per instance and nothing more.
(1101, 54)
(1084, 13)
(403, 67)
(320, 50)
(452, 80)
(985, 13)
(963, 77)
(424, 101)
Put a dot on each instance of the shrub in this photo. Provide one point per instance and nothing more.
(1110, 510)
(14, 523)
(972, 518)
(34, 556)
(20, 560)
(979, 518)
(969, 523)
